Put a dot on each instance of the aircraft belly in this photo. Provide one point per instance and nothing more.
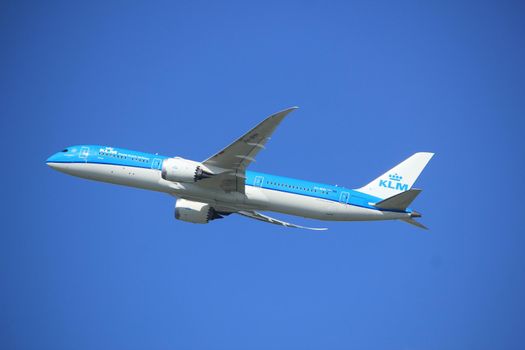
(311, 207)
(149, 179)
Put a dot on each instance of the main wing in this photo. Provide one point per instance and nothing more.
(258, 216)
(236, 157)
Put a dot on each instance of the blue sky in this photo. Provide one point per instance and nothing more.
(87, 265)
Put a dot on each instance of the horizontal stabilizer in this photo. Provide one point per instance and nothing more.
(400, 201)
(415, 223)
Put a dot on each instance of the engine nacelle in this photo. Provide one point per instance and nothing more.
(196, 212)
(183, 170)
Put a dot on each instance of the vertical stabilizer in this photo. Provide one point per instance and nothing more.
(398, 179)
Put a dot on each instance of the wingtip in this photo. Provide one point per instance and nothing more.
(283, 113)
(428, 154)
(290, 109)
(316, 228)
(308, 228)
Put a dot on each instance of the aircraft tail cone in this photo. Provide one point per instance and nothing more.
(415, 214)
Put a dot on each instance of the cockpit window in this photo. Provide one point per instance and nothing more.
(64, 150)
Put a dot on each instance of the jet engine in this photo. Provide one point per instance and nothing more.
(183, 170)
(195, 212)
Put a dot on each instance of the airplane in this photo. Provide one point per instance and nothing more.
(221, 185)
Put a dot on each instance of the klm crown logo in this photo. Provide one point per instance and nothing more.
(394, 183)
(395, 177)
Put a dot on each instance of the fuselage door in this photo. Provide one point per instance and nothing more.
(345, 196)
(156, 163)
(258, 181)
(84, 153)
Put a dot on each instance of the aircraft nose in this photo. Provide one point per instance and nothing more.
(52, 165)
(58, 162)
(52, 159)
